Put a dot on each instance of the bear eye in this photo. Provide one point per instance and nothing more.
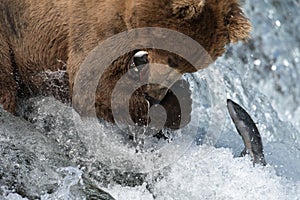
(140, 58)
(138, 62)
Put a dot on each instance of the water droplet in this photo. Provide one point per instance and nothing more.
(274, 68)
(286, 62)
(278, 23)
(257, 62)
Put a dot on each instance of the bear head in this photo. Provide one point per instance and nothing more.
(211, 23)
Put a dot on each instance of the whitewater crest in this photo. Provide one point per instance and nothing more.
(45, 157)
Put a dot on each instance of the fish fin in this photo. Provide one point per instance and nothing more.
(259, 159)
(244, 152)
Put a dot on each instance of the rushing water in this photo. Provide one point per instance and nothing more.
(47, 157)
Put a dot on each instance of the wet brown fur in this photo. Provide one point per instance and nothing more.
(40, 35)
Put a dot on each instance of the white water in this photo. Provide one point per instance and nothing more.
(210, 173)
(262, 76)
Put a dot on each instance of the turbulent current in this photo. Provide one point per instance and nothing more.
(47, 154)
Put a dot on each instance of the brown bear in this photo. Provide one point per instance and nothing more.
(57, 35)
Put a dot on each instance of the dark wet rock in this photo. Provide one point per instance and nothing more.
(33, 165)
(28, 159)
(93, 192)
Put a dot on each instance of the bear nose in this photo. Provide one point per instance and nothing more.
(172, 62)
(155, 93)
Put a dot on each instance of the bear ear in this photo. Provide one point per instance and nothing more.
(238, 26)
(187, 9)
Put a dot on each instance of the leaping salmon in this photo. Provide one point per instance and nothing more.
(248, 131)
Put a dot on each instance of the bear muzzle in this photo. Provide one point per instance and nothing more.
(156, 77)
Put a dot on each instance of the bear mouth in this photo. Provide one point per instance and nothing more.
(155, 93)
(152, 101)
